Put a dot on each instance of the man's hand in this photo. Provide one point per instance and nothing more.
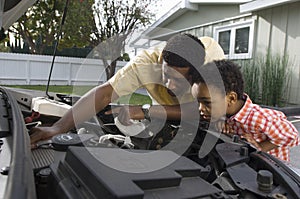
(125, 113)
(41, 133)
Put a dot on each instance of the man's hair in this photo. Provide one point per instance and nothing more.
(184, 50)
(232, 78)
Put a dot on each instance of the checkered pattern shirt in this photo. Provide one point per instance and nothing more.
(266, 124)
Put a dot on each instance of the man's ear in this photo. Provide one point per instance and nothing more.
(232, 98)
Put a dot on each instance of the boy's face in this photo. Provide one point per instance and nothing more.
(212, 103)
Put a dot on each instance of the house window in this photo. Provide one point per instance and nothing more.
(224, 40)
(236, 39)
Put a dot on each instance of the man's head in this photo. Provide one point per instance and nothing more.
(217, 93)
(184, 50)
(181, 55)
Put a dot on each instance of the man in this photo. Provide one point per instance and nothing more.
(167, 75)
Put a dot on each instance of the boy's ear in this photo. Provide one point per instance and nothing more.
(232, 97)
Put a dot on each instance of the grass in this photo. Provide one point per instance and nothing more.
(275, 77)
(134, 99)
(78, 90)
(251, 79)
(267, 79)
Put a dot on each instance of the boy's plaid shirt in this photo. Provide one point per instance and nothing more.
(266, 124)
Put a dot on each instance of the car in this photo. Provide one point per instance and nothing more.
(98, 159)
(78, 165)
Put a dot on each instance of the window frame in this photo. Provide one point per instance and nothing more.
(232, 28)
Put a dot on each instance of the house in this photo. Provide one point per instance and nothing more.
(245, 29)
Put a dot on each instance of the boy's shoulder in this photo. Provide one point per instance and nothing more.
(260, 113)
(265, 113)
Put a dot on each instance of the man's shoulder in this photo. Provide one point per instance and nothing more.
(206, 40)
(212, 49)
(151, 55)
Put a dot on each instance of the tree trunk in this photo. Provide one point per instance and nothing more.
(110, 68)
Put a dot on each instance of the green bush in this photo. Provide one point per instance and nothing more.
(275, 80)
(267, 79)
(251, 77)
(4, 48)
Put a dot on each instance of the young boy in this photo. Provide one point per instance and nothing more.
(268, 130)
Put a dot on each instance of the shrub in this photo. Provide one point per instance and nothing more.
(267, 79)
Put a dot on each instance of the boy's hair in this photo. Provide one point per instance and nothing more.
(184, 50)
(232, 78)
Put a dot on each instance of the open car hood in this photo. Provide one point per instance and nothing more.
(12, 10)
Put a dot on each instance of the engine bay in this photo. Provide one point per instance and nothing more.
(96, 160)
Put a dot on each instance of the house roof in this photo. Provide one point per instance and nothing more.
(179, 9)
(186, 5)
(173, 13)
(219, 1)
(262, 4)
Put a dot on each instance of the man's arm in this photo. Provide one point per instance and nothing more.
(175, 112)
(88, 105)
(169, 112)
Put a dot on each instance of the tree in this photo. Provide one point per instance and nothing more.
(3, 47)
(79, 28)
(38, 26)
(108, 25)
(104, 25)
(117, 19)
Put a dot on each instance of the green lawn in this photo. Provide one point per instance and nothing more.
(136, 99)
(81, 90)
(76, 90)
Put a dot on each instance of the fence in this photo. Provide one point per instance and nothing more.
(25, 69)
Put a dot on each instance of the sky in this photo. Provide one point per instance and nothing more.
(165, 6)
